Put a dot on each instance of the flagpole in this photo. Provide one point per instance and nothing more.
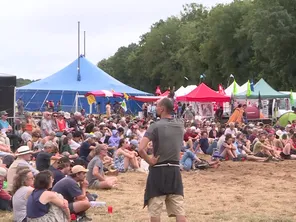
(78, 67)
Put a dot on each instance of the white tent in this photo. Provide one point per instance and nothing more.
(188, 89)
(179, 92)
(240, 89)
(243, 88)
(229, 89)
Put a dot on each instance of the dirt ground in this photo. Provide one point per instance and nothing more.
(236, 191)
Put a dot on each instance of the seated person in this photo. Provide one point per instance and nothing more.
(124, 158)
(95, 175)
(35, 142)
(188, 161)
(60, 169)
(22, 187)
(45, 205)
(203, 143)
(114, 139)
(289, 149)
(261, 149)
(66, 150)
(228, 150)
(44, 157)
(4, 140)
(24, 155)
(6, 128)
(5, 198)
(86, 147)
(72, 192)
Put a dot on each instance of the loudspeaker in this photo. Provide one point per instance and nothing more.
(7, 93)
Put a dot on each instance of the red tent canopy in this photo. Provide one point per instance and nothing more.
(203, 93)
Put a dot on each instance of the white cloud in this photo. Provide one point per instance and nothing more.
(39, 37)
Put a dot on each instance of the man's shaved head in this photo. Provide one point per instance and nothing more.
(167, 103)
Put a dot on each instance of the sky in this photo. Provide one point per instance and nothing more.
(39, 37)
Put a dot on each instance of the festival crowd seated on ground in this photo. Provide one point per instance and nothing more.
(51, 162)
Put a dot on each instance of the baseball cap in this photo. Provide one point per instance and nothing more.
(3, 113)
(78, 169)
(134, 142)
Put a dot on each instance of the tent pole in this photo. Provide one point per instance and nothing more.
(84, 42)
(43, 100)
(30, 99)
(14, 103)
(76, 102)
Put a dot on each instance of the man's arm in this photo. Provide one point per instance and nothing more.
(143, 152)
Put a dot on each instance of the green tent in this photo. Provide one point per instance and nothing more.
(266, 92)
(287, 118)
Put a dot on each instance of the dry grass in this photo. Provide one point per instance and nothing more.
(237, 191)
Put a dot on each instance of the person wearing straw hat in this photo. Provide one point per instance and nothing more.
(23, 155)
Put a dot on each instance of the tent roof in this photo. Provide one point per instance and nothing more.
(228, 91)
(266, 92)
(203, 93)
(179, 91)
(92, 78)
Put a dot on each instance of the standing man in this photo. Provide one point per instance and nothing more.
(164, 182)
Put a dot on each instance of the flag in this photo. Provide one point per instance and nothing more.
(157, 91)
(291, 98)
(125, 96)
(252, 86)
(221, 90)
(234, 90)
(259, 101)
(231, 76)
(249, 91)
(91, 99)
(201, 76)
(123, 105)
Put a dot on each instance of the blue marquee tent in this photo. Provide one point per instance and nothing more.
(66, 84)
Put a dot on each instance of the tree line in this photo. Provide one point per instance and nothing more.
(250, 39)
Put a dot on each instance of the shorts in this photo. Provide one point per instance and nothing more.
(260, 154)
(94, 185)
(174, 205)
(71, 208)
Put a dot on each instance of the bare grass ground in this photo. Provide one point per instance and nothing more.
(236, 191)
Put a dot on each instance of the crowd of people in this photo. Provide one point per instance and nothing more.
(50, 164)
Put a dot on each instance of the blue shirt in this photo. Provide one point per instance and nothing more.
(4, 124)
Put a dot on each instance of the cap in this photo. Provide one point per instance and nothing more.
(3, 172)
(2, 113)
(134, 142)
(23, 150)
(78, 169)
